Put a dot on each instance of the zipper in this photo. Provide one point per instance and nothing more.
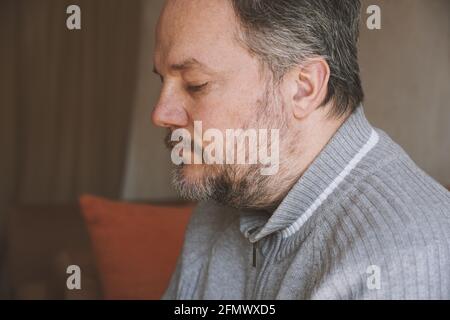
(259, 276)
(254, 248)
(264, 267)
(255, 251)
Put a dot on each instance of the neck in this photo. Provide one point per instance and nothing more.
(311, 136)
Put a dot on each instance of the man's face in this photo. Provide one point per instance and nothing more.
(209, 77)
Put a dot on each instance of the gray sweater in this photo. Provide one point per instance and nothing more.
(363, 222)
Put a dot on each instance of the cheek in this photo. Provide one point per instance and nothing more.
(231, 108)
(225, 114)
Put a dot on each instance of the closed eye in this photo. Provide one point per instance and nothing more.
(195, 89)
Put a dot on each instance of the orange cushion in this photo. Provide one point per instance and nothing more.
(136, 245)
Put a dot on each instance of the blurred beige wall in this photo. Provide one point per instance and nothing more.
(147, 174)
(406, 75)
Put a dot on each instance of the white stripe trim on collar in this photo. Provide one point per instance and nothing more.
(293, 228)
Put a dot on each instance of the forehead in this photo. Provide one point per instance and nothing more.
(204, 30)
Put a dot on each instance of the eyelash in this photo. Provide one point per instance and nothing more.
(195, 89)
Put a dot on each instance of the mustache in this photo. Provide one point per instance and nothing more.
(171, 144)
(168, 140)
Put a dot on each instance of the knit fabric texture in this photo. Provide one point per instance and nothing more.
(362, 222)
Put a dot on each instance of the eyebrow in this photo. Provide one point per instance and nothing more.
(185, 65)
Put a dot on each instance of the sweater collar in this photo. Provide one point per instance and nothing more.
(353, 140)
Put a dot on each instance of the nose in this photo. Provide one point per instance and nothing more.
(170, 112)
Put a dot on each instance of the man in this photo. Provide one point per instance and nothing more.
(347, 215)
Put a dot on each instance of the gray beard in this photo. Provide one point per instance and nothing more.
(241, 186)
(237, 186)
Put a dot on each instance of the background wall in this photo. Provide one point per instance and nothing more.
(66, 98)
(147, 174)
(406, 76)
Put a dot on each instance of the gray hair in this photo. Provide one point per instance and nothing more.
(285, 33)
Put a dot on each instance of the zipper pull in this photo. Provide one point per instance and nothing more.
(254, 254)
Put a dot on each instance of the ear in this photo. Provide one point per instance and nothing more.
(309, 84)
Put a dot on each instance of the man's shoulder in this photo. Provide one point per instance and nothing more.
(397, 210)
(395, 206)
(397, 220)
(396, 185)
